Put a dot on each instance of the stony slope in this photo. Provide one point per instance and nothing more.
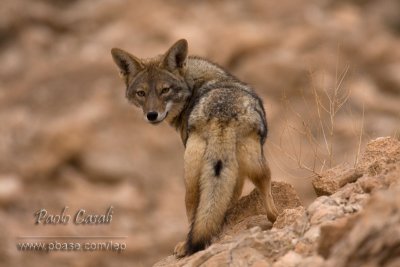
(354, 223)
(69, 137)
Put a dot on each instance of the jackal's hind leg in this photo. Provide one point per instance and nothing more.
(262, 181)
(253, 164)
(193, 161)
(180, 249)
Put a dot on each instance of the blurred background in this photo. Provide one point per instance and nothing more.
(328, 72)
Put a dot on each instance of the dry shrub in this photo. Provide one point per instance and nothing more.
(309, 140)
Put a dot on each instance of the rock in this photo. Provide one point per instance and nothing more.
(290, 259)
(357, 225)
(375, 237)
(325, 209)
(234, 227)
(371, 163)
(293, 259)
(45, 145)
(288, 217)
(69, 137)
(380, 151)
(312, 261)
(248, 216)
(370, 184)
(331, 232)
(284, 195)
(333, 179)
(10, 188)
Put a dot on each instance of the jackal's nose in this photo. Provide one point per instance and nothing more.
(152, 116)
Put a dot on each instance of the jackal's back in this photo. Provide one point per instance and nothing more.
(227, 102)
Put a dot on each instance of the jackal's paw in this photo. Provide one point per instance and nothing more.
(272, 215)
(272, 212)
(180, 249)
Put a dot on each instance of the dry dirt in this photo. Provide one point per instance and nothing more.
(69, 138)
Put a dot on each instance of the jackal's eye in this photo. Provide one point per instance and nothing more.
(165, 90)
(140, 93)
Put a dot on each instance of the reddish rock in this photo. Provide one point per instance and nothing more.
(358, 225)
(332, 180)
(288, 217)
(372, 163)
(69, 137)
(379, 152)
(284, 195)
(332, 232)
(10, 189)
(374, 240)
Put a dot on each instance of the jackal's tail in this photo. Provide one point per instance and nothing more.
(219, 175)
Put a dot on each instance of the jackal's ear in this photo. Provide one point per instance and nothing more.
(175, 58)
(128, 64)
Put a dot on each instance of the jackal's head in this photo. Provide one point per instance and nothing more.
(157, 85)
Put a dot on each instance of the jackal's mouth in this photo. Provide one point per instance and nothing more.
(159, 120)
(159, 116)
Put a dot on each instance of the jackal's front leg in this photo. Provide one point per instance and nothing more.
(193, 160)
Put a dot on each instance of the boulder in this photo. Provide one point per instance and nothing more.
(356, 224)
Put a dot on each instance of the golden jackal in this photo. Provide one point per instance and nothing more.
(222, 125)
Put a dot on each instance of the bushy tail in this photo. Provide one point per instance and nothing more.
(218, 179)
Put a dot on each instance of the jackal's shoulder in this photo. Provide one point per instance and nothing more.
(222, 96)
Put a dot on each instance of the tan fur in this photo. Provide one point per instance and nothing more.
(253, 165)
(222, 124)
(193, 161)
(210, 210)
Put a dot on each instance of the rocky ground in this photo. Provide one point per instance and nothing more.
(69, 138)
(355, 223)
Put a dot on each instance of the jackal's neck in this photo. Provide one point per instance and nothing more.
(201, 71)
(199, 75)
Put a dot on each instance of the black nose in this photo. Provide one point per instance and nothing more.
(152, 116)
